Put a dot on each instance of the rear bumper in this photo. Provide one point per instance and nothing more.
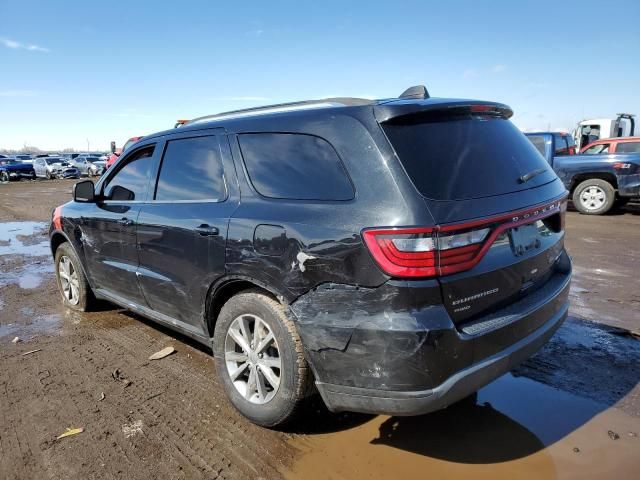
(412, 361)
(458, 386)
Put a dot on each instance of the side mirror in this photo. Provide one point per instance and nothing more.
(84, 192)
(113, 147)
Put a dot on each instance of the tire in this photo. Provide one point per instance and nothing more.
(33, 175)
(4, 176)
(48, 175)
(81, 297)
(267, 406)
(594, 197)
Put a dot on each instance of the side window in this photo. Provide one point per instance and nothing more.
(294, 166)
(192, 170)
(596, 149)
(628, 147)
(130, 182)
(561, 145)
(538, 142)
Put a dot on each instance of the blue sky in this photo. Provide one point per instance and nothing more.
(78, 71)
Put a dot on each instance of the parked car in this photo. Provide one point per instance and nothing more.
(391, 251)
(613, 145)
(596, 182)
(11, 169)
(24, 158)
(90, 166)
(115, 153)
(54, 167)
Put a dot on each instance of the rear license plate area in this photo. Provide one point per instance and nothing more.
(524, 238)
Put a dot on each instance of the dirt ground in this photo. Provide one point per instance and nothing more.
(572, 411)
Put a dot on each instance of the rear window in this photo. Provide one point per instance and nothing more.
(628, 147)
(464, 158)
(294, 166)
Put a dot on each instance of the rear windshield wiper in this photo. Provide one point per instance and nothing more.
(528, 176)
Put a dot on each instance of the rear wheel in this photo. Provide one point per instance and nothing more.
(74, 288)
(260, 360)
(594, 197)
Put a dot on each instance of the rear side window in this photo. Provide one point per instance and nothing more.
(463, 158)
(192, 170)
(538, 142)
(628, 147)
(294, 166)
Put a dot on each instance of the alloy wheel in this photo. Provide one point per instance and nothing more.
(69, 280)
(252, 358)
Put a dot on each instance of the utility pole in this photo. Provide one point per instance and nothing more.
(88, 145)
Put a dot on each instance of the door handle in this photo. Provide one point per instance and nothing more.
(124, 221)
(207, 230)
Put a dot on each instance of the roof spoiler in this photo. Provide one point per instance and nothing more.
(417, 91)
(412, 111)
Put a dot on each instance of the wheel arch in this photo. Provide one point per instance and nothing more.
(222, 290)
(607, 177)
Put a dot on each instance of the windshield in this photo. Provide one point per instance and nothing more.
(51, 161)
(467, 157)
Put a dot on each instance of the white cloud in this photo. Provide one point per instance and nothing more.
(470, 73)
(255, 33)
(7, 42)
(499, 68)
(18, 93)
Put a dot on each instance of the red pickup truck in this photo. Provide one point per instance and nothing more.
(613, 145)
(115, 153)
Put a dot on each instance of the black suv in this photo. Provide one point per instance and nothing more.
(395, 254)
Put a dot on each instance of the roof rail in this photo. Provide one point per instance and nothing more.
(284, 107)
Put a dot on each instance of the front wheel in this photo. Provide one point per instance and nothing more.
(74, 288)
(594, 197)
(260, 360)
(4, 176)
(48, 175)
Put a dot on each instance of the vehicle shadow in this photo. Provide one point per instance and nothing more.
(462, 433)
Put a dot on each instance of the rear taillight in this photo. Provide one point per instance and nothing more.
(443, 250)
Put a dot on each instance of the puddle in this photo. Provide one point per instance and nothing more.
(29, 275)
(517, 428)
(24, 238)
(38, 325)
(562, 414)
(588, 359)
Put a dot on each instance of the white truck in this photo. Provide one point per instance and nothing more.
(594, 129)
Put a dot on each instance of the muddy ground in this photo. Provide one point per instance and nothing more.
(572, 411)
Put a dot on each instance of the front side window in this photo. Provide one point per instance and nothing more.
(597, 149)
(130, 181)
(294, 166)
(628, 147)
(192, 170)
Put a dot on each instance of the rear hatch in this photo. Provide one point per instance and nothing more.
(497, 204)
